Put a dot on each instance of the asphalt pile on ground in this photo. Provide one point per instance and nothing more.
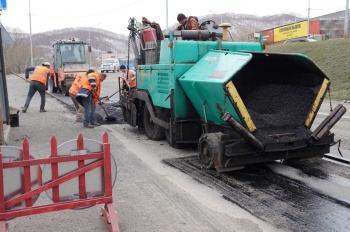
(280, 109)
(115, 114)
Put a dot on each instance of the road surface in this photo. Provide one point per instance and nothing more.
(152, 195)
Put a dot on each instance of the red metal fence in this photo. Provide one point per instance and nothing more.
(100, 159)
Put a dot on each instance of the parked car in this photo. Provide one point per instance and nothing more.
(300, 40)
(110, 65)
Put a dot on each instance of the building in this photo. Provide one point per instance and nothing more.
(324, 27)
(109, 55)
(332, 25)
(112, 55)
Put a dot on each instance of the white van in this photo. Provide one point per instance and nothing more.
(110, 65)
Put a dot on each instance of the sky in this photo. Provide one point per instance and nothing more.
(113, 15)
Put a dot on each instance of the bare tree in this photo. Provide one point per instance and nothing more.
(17, 55)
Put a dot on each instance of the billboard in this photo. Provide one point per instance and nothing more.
(291, 31)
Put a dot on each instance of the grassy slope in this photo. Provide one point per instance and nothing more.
(331, 56)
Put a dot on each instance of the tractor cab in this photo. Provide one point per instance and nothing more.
(69, 52)
(68, 59)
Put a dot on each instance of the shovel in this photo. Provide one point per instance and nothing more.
(107, 98)
(108, 118)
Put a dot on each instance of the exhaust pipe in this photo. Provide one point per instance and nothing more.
(242, 131)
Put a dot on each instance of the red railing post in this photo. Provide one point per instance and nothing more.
(2, 193)
(54, 170)
(3, 223)
(81, 164)
(107, 165)
(27, 175)
(108, 214)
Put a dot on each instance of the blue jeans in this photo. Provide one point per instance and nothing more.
(89, 110)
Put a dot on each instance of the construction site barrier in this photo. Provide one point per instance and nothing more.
(17, 199)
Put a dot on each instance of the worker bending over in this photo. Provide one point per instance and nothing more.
(38, 83)
(88, 96)
(74, 89)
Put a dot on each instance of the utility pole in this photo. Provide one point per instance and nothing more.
(346, 20)
(308, 21)
(167, 30)
(90, 40)
(31, 40)
(90, 46)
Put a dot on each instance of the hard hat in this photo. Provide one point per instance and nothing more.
(46, 64)
(91, 70)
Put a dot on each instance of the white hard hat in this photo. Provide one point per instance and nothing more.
(46, 64)
(91, 69)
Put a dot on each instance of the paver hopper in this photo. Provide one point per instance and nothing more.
(257, 107)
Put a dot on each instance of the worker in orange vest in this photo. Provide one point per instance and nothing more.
(128, 80)
(74, 89)
(38, 83)
(31, 69)
(88, 96)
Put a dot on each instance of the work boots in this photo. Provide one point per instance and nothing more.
(88, 126)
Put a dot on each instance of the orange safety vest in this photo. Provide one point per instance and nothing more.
(78, 82)
(40, 74)
(87, 85)
(96, 96)
(90, 77)
(131, 80)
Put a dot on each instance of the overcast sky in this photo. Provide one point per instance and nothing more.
(113, 15)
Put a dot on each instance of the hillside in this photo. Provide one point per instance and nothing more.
(331, 56)
(101, 40)
(18, 57)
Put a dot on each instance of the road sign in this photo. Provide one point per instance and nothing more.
(3, 5)
(13, 177)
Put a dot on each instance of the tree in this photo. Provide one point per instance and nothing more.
(17, 55)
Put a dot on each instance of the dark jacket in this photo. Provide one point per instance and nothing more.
(82, 93)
